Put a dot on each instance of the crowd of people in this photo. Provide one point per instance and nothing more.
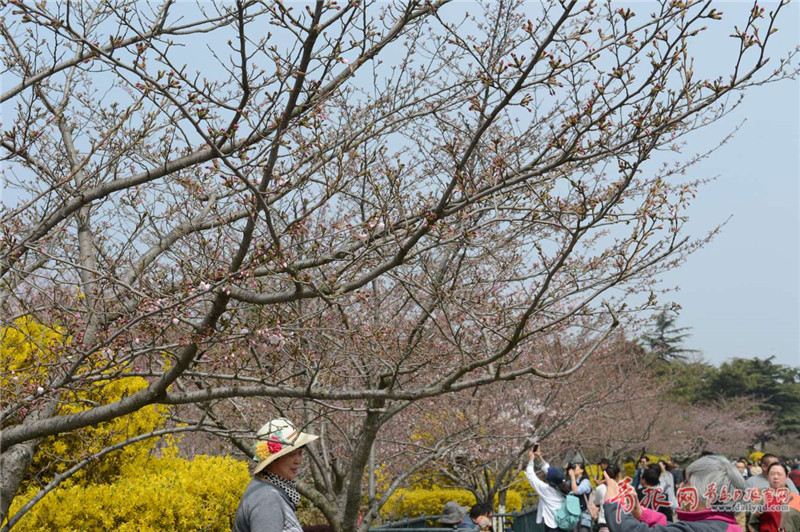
(712, 494)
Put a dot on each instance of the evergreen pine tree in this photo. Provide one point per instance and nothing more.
(666, 340)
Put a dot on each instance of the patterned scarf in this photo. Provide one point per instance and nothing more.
(288, 487)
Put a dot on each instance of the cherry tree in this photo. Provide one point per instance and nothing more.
(216, 197)
(726, 427)
(598, 406)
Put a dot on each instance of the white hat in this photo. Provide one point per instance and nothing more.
(278, 438)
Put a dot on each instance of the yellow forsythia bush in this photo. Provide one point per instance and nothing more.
(416, 502)
(58, 452)
(28, 351)
(167, 494)
(628, 469)
(514, 500)
(522, 486)
(413, 503)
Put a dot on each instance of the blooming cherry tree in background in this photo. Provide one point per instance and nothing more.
(590, 408)
(353, 206)
(720, 427)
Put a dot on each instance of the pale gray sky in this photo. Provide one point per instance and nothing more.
(741, 294)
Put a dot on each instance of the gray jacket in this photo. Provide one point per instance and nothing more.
(265, 508)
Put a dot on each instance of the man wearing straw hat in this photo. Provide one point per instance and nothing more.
(271, 499)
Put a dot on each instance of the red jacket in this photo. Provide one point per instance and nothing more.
(772, 521)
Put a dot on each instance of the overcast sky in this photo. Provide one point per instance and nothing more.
(741, 294)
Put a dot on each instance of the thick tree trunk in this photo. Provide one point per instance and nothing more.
(372, 424)
(14, 464)
(16, 461)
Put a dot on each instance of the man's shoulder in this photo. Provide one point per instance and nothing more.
(757, 481)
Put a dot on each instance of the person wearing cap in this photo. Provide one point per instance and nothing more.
(453, 515)
(271, 499)
(551, 491)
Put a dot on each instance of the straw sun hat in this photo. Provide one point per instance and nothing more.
(277, 438)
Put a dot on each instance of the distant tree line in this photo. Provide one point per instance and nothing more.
(773, 388)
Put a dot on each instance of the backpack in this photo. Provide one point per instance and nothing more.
(568, 516)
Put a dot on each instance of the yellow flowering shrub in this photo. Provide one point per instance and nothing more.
(628, 469)
(413, 503)
(58, 453)
(27, 350)
(128, 489)
(416, 502)
(162, 494)
(521, 486)
(514, 500)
